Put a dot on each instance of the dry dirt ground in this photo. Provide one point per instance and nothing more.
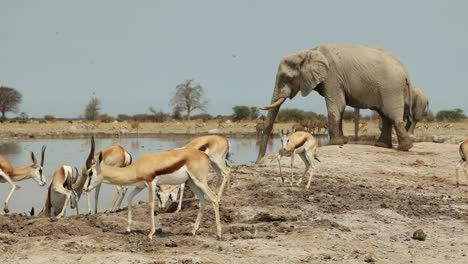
(363, 206)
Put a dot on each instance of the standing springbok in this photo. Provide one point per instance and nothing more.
(60, 191)
(115, 156)
(172, 167)
(217, 149)
(303, 144)
(11, 174)
(463, 150)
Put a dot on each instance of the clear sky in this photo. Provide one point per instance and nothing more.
(132, 54)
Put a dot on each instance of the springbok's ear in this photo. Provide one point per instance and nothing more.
(33, 158)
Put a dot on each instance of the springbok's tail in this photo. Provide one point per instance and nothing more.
(316, 157)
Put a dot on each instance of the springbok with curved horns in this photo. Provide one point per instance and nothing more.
(61, 193)
(303, 144)
(172, 167)
(115, 156)
(11, 174)
(463, 150)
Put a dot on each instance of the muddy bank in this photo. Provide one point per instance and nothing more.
(363, 206)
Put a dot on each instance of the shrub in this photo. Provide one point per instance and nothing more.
(453, 115)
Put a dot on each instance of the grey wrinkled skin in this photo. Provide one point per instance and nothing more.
(420, 107)
(355, 75)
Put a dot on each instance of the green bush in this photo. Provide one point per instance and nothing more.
(453, 115)
(242, 112)
(296, 115)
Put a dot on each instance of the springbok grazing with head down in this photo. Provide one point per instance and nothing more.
(61, 193)
(11, 174)
(303, 144)
(115, 156)
(172, 167)
(463, 150)
(217, 149)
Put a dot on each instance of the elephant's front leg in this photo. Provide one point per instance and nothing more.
(385, 139)
(335, 111)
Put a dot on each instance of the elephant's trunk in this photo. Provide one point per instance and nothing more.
(271, 117)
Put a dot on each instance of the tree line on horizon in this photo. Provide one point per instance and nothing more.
(187, 98)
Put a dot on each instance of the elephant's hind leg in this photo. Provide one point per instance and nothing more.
(385, 139)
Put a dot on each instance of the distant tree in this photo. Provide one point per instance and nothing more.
(123, 117)
(10, 98)
(177, 113)
(23, 116)
(92, 109)
(189, 97)
(240, 112)
(49, 117)
(455, 114)
(254, 112)
(291, 115)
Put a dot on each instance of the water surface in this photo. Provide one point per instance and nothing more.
(73, 152)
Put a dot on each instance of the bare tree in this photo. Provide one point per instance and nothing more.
(10, 98)
(92, 109)
(189, 97)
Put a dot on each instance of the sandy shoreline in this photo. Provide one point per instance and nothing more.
(363, 206)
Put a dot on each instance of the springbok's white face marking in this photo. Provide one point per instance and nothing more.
(38, 176)
(93, 179)
(165, 196)
(284, 141)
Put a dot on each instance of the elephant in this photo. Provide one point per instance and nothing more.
(356, 75)
(420, 108)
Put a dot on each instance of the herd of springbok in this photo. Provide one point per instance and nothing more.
(159, 172)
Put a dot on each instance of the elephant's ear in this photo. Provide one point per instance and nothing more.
(314, 70)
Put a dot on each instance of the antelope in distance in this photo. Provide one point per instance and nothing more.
(217, 148)
(303, 144)
(116, 156)
(463, 150)
(172, 167)
(61, 193)
(11, 174)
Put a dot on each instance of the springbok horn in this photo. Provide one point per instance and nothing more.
(33, 158)
(91, 154)
(42, 155)
(275, 104)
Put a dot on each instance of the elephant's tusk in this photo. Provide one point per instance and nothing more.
(275, 104)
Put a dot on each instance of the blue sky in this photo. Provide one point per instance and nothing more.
(132, 54)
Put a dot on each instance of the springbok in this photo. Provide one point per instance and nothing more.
(217, 149)
(116, 156)
(303, 144)
(172, 167)
(11, 174)
(463, 150)
(60, 191)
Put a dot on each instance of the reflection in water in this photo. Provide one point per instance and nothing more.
(13, 148)
(74, 152)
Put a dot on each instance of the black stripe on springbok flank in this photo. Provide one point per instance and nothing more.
(171, 168)
(302, 142)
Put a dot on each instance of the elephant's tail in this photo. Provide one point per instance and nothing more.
(410, 103)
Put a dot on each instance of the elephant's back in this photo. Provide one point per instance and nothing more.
(362, 53)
